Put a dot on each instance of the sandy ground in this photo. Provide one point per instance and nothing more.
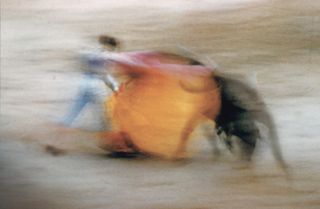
(277, 40)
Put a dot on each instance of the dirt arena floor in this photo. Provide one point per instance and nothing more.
(278, 41)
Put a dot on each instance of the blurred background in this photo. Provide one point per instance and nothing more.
(278, 41)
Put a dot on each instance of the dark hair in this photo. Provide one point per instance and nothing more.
(108, 41)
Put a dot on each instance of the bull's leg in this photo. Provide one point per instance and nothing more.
(228, 142)
(212, 136)
(248, 134)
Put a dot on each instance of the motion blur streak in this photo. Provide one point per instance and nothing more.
(276, 39)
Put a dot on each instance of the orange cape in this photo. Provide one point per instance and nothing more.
(162, 102)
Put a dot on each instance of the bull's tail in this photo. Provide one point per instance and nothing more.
(267, 120)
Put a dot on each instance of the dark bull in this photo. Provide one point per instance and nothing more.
(242, 109)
